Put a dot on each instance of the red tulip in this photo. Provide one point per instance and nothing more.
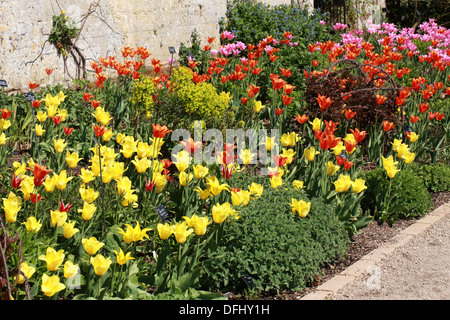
(67, 131)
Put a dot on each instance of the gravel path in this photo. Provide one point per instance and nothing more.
(417, 270)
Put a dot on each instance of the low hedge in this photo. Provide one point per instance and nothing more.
(273, 248)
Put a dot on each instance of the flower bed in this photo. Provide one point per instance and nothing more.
(239, 170)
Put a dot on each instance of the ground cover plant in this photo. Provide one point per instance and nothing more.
(138, 184)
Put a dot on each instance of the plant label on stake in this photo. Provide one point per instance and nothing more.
(30, 98)
(3, 85)
(162, 212)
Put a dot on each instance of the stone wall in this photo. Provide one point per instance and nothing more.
(156, 25)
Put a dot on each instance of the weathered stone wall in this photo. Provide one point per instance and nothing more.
(156, 25)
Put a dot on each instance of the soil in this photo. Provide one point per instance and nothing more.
(362, 243)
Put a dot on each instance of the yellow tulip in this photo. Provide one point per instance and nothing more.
(256, 189)
(72, 159)
(3, 139)
(221, 211)
(185, 178)
(160, 180)
(339, 148)
(32, 224)
(142, 149)
(107, 135)
(59, 145)
(316, 124)
(200, 171)
(298, 184)
(101, 264)
(332, 168)
(214, 186)
(390, 166)
(343, 183)
(27, 187)
(310, 153)
(203, 194)
(396, 144)
(27, 270)
(182, 160)
(69, 229)
(51, 285)
(359, 185)
(181, 232)
(289, 139)
(200, 224)
(409, 158)
(70, 269)
(11, 206)
(91, 245)
(164, 230)
(247, 157)
(39, 130)
(276, 181)
(258, 106)
(289, 154)
(50, 183)
(88, 195)
(141, 165)
(301, 207)
(53, 258)
(58, 217)
(41, 116)
(413, 137)
(4, 124)
(134, 234)
(88, 211)
(61, 96)
(62, 179)
(102, 116)
(63, 114)
(121, 257)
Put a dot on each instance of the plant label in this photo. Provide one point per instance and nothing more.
(162, 212)
(248, 281)
(29, 96)
(3, 83)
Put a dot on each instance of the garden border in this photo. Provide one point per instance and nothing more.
(357, 269)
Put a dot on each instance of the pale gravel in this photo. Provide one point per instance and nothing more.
(418, 270)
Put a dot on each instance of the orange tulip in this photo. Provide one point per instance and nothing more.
(380, 99)
(6, 113)
(160, 131)
(324, 102)
(39, 172)
(387, 126)
(286, 100)
(358, 135)
(301, 119)
(99, 130)
(414, 119)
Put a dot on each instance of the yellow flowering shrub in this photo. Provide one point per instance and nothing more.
(200, 100)
(142, 94)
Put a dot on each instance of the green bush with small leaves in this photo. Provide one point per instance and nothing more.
(410, 197)
(435, 176)
(273, 248)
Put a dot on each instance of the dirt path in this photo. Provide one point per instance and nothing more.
(419, 269)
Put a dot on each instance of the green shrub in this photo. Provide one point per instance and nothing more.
(409, 196)
(251, 21)
(435, 177)
(274, 247)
